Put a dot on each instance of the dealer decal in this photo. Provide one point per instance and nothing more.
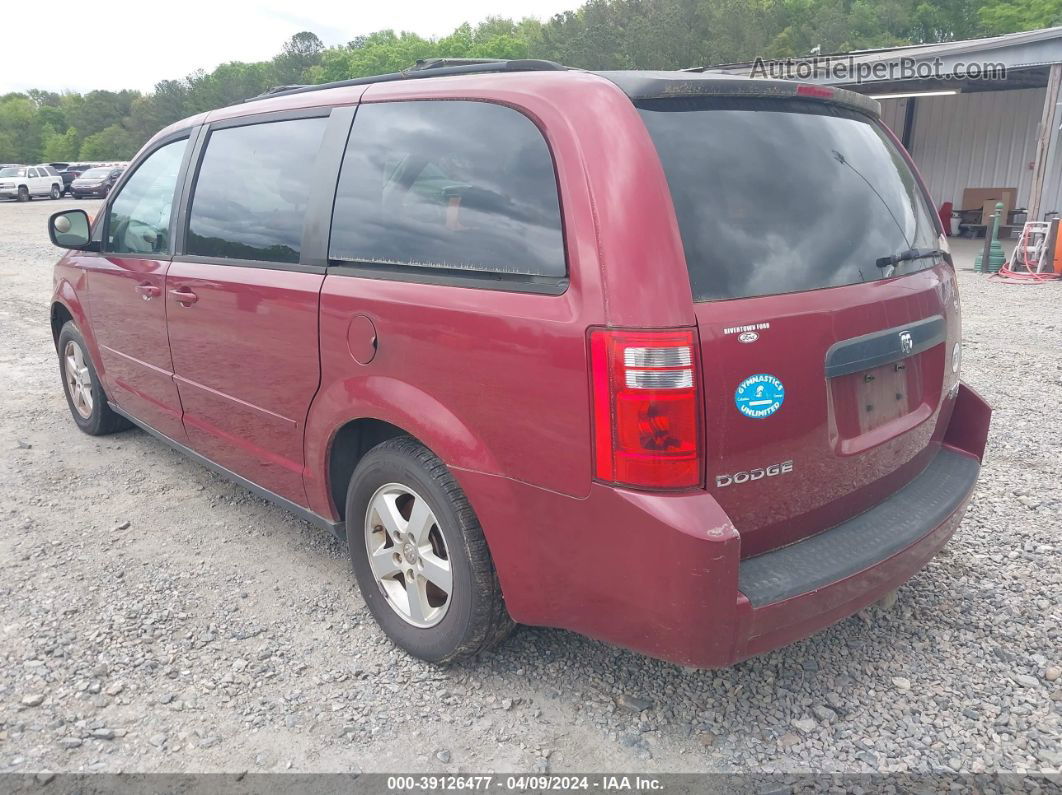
(742, 329)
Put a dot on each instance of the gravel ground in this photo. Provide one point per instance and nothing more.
(154, 617)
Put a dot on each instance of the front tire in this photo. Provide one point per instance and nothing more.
(84, 394)
(23, 193)
(419, 555)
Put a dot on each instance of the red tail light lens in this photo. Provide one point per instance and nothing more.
(821, 92)
(646, 409)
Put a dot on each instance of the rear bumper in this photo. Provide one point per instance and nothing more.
(663, 575)
(789, 593)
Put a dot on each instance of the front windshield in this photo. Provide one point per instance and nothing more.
(96, 173)
(12, 172)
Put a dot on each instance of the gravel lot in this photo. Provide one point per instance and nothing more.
(154, 617)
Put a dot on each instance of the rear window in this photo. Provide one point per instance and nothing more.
(458, 186)
(780, 196)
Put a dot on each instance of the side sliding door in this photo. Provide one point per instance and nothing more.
(243, 293)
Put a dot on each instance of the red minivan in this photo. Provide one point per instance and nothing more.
(667, 359)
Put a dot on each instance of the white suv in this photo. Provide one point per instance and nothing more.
(25, 182)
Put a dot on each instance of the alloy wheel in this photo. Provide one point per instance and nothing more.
(78, 379)
(408, 555)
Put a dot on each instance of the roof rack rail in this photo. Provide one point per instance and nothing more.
(438, 63)
(427, 67)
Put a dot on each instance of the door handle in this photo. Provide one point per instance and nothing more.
(184, 296)
(148, 291)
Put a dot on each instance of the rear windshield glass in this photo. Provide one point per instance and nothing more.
(778, 196)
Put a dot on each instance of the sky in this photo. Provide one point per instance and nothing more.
(135, 43)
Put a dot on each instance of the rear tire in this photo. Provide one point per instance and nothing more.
(56, 193)
(446, 626)
(84, 393)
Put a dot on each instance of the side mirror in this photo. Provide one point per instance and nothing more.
(70, 229)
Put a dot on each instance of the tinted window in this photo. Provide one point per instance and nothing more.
(138, 220)
(777, 196)
(465, 186)
(252, 191)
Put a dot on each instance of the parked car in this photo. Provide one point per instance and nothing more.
(70, 173)
(96, 182)
(53, 171)
(25, 182)
(669, 360)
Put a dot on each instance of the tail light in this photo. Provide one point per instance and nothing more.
(646, 408)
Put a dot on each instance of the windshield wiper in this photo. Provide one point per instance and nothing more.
(907, 256)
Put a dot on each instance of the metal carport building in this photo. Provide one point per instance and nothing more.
(963, 132)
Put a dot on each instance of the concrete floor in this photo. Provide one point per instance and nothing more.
(964, 250)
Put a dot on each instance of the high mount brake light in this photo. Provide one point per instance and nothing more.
(822, 92)
(647, 430)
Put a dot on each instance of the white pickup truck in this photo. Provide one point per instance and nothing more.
(25, 182)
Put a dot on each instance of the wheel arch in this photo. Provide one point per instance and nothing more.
(59, 317)
(348, 445)
(351, 416)
(66, 306)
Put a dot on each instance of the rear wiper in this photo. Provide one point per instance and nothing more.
(907, 256)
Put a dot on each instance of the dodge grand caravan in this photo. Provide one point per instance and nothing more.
(667, 359)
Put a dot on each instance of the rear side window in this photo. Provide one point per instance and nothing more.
(253, 187)
(780, 196)
(454, 186)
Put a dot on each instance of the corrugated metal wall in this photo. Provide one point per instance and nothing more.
(981, 140)
(1053, 194)
(892, 113)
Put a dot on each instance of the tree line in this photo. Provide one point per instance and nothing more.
(45, 126)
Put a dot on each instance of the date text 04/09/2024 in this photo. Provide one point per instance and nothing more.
(523, 783)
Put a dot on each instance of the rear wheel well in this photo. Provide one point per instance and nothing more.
(350, 443)
(60, 317)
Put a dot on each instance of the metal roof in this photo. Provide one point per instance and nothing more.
(1017, 52)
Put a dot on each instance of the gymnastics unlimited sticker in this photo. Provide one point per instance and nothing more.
(759, 396)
